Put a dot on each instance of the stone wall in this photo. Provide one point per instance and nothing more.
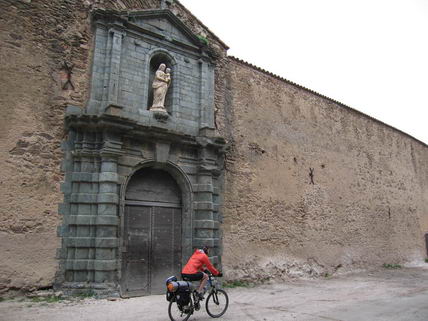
(366, 204)
(35, 40)
(44, 44)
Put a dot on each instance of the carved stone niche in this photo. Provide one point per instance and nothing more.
(129, 49)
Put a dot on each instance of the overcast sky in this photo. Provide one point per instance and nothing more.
(371, 55)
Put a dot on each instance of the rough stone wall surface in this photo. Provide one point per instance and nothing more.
(35, 39)
(365, 206)
(368, 201)
(43, 44)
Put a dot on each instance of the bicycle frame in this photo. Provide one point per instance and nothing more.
(213, 287)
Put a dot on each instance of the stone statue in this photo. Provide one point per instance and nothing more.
(160, 87)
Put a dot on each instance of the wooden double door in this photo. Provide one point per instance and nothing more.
(152, 237)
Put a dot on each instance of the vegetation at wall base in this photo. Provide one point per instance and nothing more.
(85, 294)
(426, 260)
(48, 299)
(237, 284)
(392, 266)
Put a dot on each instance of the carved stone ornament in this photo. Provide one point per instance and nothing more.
(160, 87)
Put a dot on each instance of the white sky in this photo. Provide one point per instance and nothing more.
(371, 55)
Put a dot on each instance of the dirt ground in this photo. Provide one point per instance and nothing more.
(386, 294)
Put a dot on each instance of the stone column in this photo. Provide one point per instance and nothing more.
(81, 184)
(90, 238)
(205, 225)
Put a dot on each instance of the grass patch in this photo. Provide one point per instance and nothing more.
(85, 294)
(392, 266)
(237, 284)
(426, 260)
(2, 299)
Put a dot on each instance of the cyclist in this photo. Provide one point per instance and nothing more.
(192, 271)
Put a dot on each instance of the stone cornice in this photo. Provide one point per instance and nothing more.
(131, 128)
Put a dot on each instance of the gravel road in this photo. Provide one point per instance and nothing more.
(399, 295)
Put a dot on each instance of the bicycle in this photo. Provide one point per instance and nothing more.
(185, 301)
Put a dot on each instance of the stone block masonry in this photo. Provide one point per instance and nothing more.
(117, 136)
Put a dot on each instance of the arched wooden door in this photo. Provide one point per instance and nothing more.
(152, 232)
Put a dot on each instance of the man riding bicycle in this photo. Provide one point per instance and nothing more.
(193, 270)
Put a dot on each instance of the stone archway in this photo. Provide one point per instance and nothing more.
(152, 232)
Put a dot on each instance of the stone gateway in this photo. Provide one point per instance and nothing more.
(142, 192)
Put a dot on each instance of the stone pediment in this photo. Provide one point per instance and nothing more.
(158, 23)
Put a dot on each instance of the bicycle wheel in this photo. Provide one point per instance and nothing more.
(217, 303)
(177, 314)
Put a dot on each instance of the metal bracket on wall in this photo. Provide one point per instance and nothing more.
(311, 175)
(426, 242)
(69, 71)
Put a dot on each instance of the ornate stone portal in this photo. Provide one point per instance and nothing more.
(143, 166)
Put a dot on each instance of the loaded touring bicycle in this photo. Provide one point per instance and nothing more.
(184, 301)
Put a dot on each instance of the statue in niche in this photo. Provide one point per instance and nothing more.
(160, 87)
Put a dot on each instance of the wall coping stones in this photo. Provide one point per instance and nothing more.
(249, 65)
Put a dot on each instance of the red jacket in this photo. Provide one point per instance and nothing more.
(196, 263)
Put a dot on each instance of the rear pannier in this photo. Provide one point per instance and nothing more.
(178, 291)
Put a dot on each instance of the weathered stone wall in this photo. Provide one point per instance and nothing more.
(40, 42)
(35, 38)
(368, 201)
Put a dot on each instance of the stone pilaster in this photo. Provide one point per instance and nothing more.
(107, 222)
(115, 58)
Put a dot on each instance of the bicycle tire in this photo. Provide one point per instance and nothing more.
(212, 298)
(171, 307)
